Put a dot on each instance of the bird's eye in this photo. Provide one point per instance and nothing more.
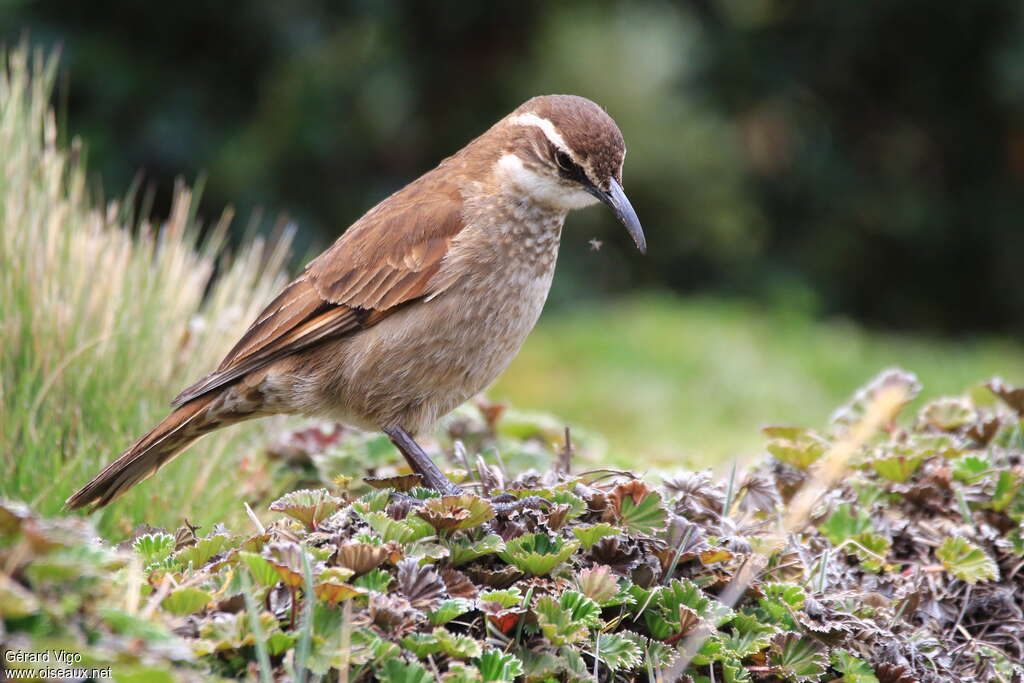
(564, 161)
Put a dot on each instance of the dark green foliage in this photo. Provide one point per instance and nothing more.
(786, 144)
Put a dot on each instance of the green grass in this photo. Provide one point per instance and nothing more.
(688, 382)
(102, 319)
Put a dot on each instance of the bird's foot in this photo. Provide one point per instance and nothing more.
(504, 504)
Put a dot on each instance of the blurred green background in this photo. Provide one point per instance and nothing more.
(827, 187)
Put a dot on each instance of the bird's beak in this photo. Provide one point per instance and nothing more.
(623, 210)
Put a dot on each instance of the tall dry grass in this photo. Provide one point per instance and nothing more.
(104, 317)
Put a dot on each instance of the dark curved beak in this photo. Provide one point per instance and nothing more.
(615, 198)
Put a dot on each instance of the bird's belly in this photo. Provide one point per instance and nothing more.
(419, 363)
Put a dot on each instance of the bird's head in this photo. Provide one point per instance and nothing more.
(565, 152)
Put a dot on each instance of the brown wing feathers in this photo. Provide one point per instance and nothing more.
(386, 259)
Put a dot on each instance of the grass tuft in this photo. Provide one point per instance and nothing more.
(103, 318)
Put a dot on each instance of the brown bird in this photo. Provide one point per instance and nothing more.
(419, 305)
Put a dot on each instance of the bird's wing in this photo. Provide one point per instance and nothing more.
(386, 259)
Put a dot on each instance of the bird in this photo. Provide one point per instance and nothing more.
(419, 305)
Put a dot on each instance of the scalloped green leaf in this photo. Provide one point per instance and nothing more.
(897, 466)
(589, 534)
(460, 647)
(970, 468)
(509, 597)
(376, 580)
(410, 529)
(154, 547)
(798, 658)
(460, 672)
(947, 414)
(557, 624)
(186, 600)
(538, 554)
(452, 513)
(853, 670)
(795, 446)
(495, 665)
(581, 608)
(843, 523)
(464, 550)
(617, 651)
(448, 610)
(308, 506)
(421, 644)
(646, 517)
(374, 501)
(199, 553)
(262, 571)
(748, 636)
(966, 561)
(396, 670)
(779, 601)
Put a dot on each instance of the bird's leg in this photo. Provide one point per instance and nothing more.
(421, 463)
(434, 478)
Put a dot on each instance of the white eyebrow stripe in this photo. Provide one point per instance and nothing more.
(545, 125)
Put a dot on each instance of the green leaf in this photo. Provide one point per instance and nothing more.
(966, 561)
(426, 552)
(308, 506)
(464, 550)
(680, 607)
(970, 468)
(199, 553)
(795, 446)
(376, 580)
(458, 672)
(871, 549)
(947, 414)
(153, 547)
(396, 670)
(617, 651)
(798, 658)
(421, 644)
(780, 601)
(538, 554)
(451, 513)
(557, 624)
(897, 466)
(581, 608)
(1007, 486)
(279, 643)
(853, 669)
(262, 571)
(510, 597)
(748, 635)
(374, 501)
(589, 534)
(495, 665)
(410, 529)
(460, 647)
(843, 524)
(368, 647)
(185, 601)
(448, 610)
(645, 517)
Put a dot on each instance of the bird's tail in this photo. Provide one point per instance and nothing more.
(175, 433)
